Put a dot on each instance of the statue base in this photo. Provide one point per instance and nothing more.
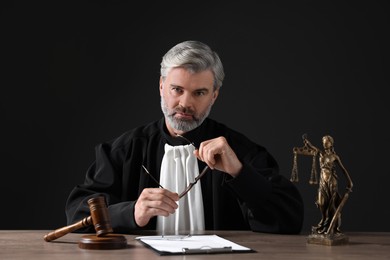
(327, 239)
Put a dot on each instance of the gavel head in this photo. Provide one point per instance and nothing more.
(100, 216)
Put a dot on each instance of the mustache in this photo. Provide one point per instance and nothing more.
(181, 109)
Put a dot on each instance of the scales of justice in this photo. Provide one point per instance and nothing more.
(329, 200)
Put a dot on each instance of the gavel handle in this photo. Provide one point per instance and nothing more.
(68, 229)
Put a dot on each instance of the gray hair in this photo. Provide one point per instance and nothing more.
(194, 56)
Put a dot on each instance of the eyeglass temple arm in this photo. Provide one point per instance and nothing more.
(193, 183)
(189, 141)
(151, 176)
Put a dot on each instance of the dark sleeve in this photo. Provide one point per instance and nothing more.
(269, 201)
(103, 178)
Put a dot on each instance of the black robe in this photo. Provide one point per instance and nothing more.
(259, 199)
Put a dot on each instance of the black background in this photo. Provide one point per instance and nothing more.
(77, 74)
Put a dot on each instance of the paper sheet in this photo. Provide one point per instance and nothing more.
(178, 244)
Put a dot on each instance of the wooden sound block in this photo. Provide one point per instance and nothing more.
(109, 241)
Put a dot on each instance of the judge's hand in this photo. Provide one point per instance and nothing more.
(217, 154)
(154, 202)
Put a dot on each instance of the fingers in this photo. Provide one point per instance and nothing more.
(217, 154)
(211, 148)
(208, 150)
(154, 202)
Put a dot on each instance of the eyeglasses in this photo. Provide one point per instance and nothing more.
(189, 187)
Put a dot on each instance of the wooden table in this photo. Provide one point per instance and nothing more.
(29, 244)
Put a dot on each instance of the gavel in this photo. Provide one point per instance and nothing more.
(99, 217)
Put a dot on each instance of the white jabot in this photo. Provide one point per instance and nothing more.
(179, 168)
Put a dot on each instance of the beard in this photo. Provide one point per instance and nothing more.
(184, 125)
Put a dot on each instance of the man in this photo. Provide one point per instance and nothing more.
(241, 190)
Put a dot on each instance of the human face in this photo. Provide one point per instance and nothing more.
(327, 142)
(186, 99)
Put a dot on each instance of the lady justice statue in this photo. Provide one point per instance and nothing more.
(329, 201)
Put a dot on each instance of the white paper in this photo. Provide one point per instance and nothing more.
(178, 244)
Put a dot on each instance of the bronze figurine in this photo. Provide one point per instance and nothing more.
(329, 201)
